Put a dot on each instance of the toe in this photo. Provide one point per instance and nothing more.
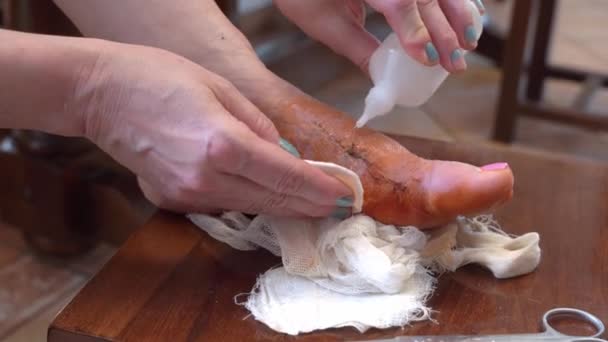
(454, 188)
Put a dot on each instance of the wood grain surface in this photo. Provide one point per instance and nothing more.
(172, 282)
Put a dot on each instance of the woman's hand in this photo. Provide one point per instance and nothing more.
(195, 143)
(431, 31)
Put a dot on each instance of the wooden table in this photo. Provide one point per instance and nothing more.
(172, 282)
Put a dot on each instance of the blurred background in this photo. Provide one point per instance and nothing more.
(537, 82)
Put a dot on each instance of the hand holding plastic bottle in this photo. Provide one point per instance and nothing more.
(430, 31)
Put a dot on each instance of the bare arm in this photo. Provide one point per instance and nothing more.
(195, 29)
(195, 143)
(39, 75)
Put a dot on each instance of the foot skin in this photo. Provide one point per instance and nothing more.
(400, 187)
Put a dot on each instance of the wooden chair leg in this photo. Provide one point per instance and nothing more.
(491, 45)
(38, 16)
(228, 7)
(537, 71)
(7, 13)
(512, 70)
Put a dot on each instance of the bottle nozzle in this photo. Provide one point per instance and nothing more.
(379, 101)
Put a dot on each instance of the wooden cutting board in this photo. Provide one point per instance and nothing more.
(172, 282)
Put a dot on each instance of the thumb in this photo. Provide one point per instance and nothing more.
(243, 110)
(348, 36)
(338, 24)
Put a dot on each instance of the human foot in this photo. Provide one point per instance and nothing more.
(400, 187)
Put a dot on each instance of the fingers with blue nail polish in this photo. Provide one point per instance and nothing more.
(344, 208)
(289, 147)
(344, 202)
(470, 35)
(342, 213)
(431, 52)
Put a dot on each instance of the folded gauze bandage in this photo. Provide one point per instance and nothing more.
(359, 272)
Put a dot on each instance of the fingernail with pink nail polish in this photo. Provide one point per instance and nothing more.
(495, 167)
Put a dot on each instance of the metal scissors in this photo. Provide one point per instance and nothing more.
(549, 333)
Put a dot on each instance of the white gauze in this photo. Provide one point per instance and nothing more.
(359, 272)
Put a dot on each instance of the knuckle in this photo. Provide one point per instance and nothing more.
(418, 34)
(265, 126)
(428, 3)
(222, 151)
(197, 183)
(277, 200)
(192, 186)
(447, 38)
(223, 85)
(289, 182)
(400, 5)
(218, 146)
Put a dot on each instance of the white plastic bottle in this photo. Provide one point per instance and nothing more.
(401, 80)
